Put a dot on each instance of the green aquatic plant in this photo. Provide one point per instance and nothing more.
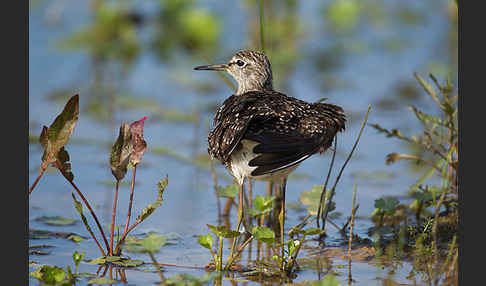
(432, 217)
(54, 275)
(206, 241)
(127, 152)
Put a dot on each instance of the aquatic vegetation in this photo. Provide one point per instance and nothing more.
(127, 151)
(431, 220)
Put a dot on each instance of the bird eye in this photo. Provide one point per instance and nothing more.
(240, 63)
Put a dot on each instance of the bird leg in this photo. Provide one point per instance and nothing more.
(238, 224)
(282, 218)
(276, 208)
(250, 198)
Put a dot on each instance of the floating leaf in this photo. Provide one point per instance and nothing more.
(206, 241)
(311, 231)
(223, 231)
(109, 258)
(263, 234)
(129, 262)
(120, 152)
(52, 139)
(56, 220)
(138, 143)
(149, 209)
(75, 238)
(99, 260)
(153, 242)
(229, 192)
(328, 280)
(102, 281)
(49, 274)
(38, 252)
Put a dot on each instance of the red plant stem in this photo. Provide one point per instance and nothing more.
(113, 217)
(87, 205)
(36, 180)
(117, 249)
(131, 199)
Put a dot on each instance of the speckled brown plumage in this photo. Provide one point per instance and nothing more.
(287, 129)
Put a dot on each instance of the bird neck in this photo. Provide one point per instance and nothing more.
(254, 85)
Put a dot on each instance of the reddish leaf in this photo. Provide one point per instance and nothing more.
(55, 137)
(120, 152)
(63, 158)
(137, 141)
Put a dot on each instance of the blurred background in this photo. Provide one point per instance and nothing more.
(129, 59)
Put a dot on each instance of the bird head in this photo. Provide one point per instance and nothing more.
(250, 69)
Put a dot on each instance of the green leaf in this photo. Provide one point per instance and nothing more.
(428, 88)
(328, 280)
(77, 257)
(229, 192)
(56, 220)
(79, 208)
(263, 203)
(150, 208)
(386, 204)
(99, 260)
(206, 241)
(52, 139)
(120, 152)
(311, 199)
(129, 262)
(292, 246)
(75, 238)
(311, 231)
(112, 258)
(153, 242)
(223, 231)
(263, 234)
(102, 281)
(49, 274)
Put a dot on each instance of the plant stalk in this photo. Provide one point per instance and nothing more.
(59, 167)
(220, 263)
(131, 198)
(326, 208)
(113, 216)
(162, 278)
(36, 180)
(240, 218)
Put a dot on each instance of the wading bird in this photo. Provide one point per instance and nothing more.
(263, 134)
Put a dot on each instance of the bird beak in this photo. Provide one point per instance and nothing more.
(221, 67)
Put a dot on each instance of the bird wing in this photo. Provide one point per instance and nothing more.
(288, 130)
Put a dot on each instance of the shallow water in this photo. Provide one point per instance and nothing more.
(189, 200)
